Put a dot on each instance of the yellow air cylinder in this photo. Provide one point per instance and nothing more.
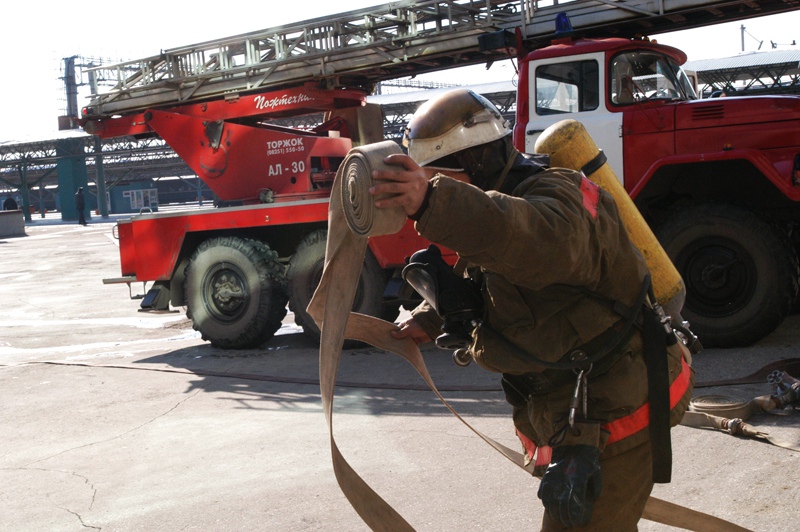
(570, 146)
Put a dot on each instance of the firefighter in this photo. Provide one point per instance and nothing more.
(80, 206)
(564, 296)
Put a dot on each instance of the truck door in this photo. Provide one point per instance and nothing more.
(646, 86)
(572, 88)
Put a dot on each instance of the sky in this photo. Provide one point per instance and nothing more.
(37, 34)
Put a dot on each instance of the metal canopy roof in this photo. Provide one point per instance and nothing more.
(427, 94)
(776, 71)
(746, 60)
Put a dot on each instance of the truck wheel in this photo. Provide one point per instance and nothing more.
(740, 271)
(305, 272)
(235, 292)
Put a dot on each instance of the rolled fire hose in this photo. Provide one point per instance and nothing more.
(352, 219)
(723, 413)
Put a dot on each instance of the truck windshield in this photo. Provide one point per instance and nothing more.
(646, 76)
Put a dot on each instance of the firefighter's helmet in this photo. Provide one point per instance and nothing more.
(451, 122)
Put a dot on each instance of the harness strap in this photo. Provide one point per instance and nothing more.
(654, 339)
(509, 163)
(539, 383)
(594, 165)
(621, 334)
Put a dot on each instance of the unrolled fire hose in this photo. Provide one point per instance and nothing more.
(352, 220)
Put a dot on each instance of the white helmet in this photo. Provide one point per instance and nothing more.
(451, 122)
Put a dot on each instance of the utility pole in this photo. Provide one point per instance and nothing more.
(743, 37)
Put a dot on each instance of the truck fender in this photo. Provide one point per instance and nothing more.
(754, 157)
(177, 295)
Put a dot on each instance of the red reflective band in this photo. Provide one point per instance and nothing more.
(591, 196)
(528, 445)
(632, 423)
(543, 454)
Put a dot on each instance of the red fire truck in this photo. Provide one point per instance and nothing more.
(215, 103)
(235, 268)
(718, 180)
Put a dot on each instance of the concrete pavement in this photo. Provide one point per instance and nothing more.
(112, 419)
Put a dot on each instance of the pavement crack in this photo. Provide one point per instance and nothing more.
(76, 514)
(49, 497)
(170, 410)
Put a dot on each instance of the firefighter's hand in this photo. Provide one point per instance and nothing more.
(571, 484)
(406, 184)
(412, 329)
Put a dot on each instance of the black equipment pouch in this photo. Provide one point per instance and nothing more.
(457, 300)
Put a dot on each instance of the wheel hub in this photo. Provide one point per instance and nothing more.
(719, 278)
(226, 293)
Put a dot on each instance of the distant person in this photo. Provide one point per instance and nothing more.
(10, 204)
(80, 205)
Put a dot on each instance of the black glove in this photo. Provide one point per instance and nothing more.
(571, 484)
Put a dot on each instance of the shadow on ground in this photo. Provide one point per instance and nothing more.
(285, 372)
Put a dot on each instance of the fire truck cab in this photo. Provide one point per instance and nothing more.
(717, 180)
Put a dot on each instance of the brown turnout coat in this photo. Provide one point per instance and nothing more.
(532, 247)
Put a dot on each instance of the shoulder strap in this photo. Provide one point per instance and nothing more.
(568, 362)
(631, 316)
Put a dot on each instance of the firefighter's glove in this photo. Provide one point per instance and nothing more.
(571, 484)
